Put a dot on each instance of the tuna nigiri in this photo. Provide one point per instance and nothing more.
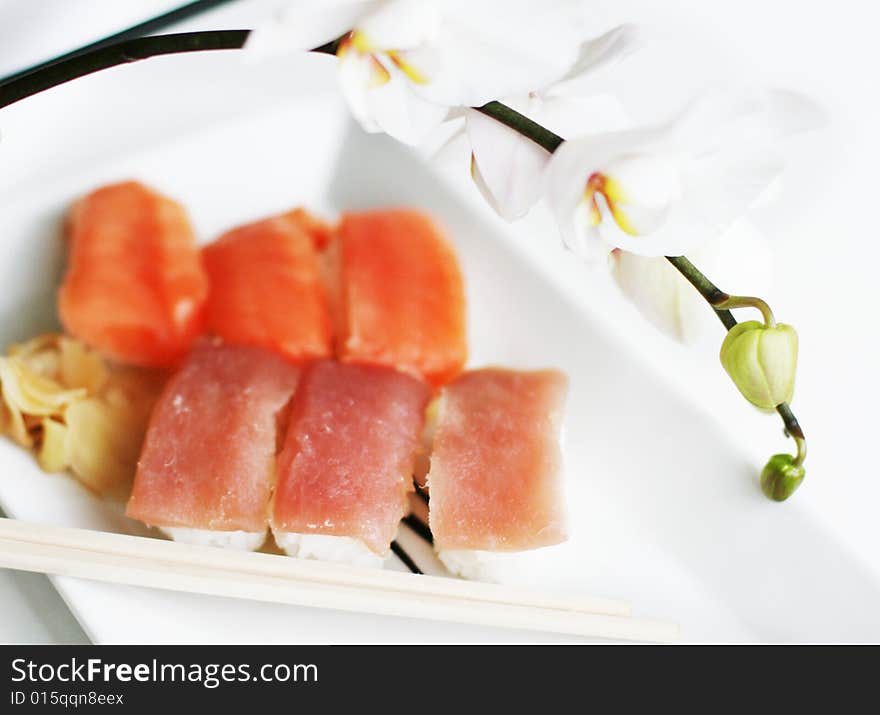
(267, 287)
(207, 467)
(134, 286)
(345, 467)
(399, 295)
(494, 479)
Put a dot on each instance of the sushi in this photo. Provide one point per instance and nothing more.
(267, 287)
(399, 294)
(346, 460)
(320, 231)
(495, 469)
(261, 428)
(207, 467)
(134, 286)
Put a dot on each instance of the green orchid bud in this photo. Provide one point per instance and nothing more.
(761, 360)
(781, 476)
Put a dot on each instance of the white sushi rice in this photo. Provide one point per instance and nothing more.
(324, 547)
(491, 566)
(237, 540)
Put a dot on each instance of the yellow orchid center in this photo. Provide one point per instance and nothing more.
(360, 43)
(407, 68)
(357, 42)
(614, 197)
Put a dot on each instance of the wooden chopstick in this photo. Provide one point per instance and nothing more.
(320, 571)
(155, 563)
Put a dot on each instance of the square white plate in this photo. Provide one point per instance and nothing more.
(664, 506)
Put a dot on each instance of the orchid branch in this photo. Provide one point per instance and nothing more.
(523, 125)
(21, 86)
(80, 64)
(104, 56)
(149, 26)
(717, 299)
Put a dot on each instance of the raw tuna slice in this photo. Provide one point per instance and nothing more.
(400, 296)
(208, 461)
(495, 479)
(267, 288)
(345, 468)
(134, 287)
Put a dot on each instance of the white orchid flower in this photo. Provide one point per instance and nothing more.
(665, 190)
(507, 167)
(404, 63)
(738, 257)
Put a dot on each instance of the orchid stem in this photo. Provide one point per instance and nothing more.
(801, 451)
(793, 430)
(522, 124)
(81, 63)
(103, 56)
(713, 295)
(21, 86)
(747, 301)
(152, 25)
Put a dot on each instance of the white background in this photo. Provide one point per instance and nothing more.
(825, 235)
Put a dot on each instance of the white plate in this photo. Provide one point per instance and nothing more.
(664, 505)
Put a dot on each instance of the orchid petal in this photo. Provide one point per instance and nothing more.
(356, 73)
(396, 110)
(570, 116)
(480, 183)
(449, 144)
(733, 139)
(509, 166)
(681, 231)
(728, 121)
(306, 24)
(486, 50)
(720, 189)
(740, 256)
(659, 292)
(401, 24)
(568, 172)
(582, 238)
(602, 51)
(666, 190)
(639, 191)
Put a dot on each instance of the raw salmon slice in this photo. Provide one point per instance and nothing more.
(208, 460)
(345, 467)
(400, 295)
(134, 287)
(267, 288)
(495, 467)
(320, 231)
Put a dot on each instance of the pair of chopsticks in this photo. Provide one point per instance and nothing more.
(154, 563)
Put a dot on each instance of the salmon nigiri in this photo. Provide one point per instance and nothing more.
(207, 467)
(495, 477)
(320, 231)
(134, 287)
(267, 288)
(345, 465)
(399, 297)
